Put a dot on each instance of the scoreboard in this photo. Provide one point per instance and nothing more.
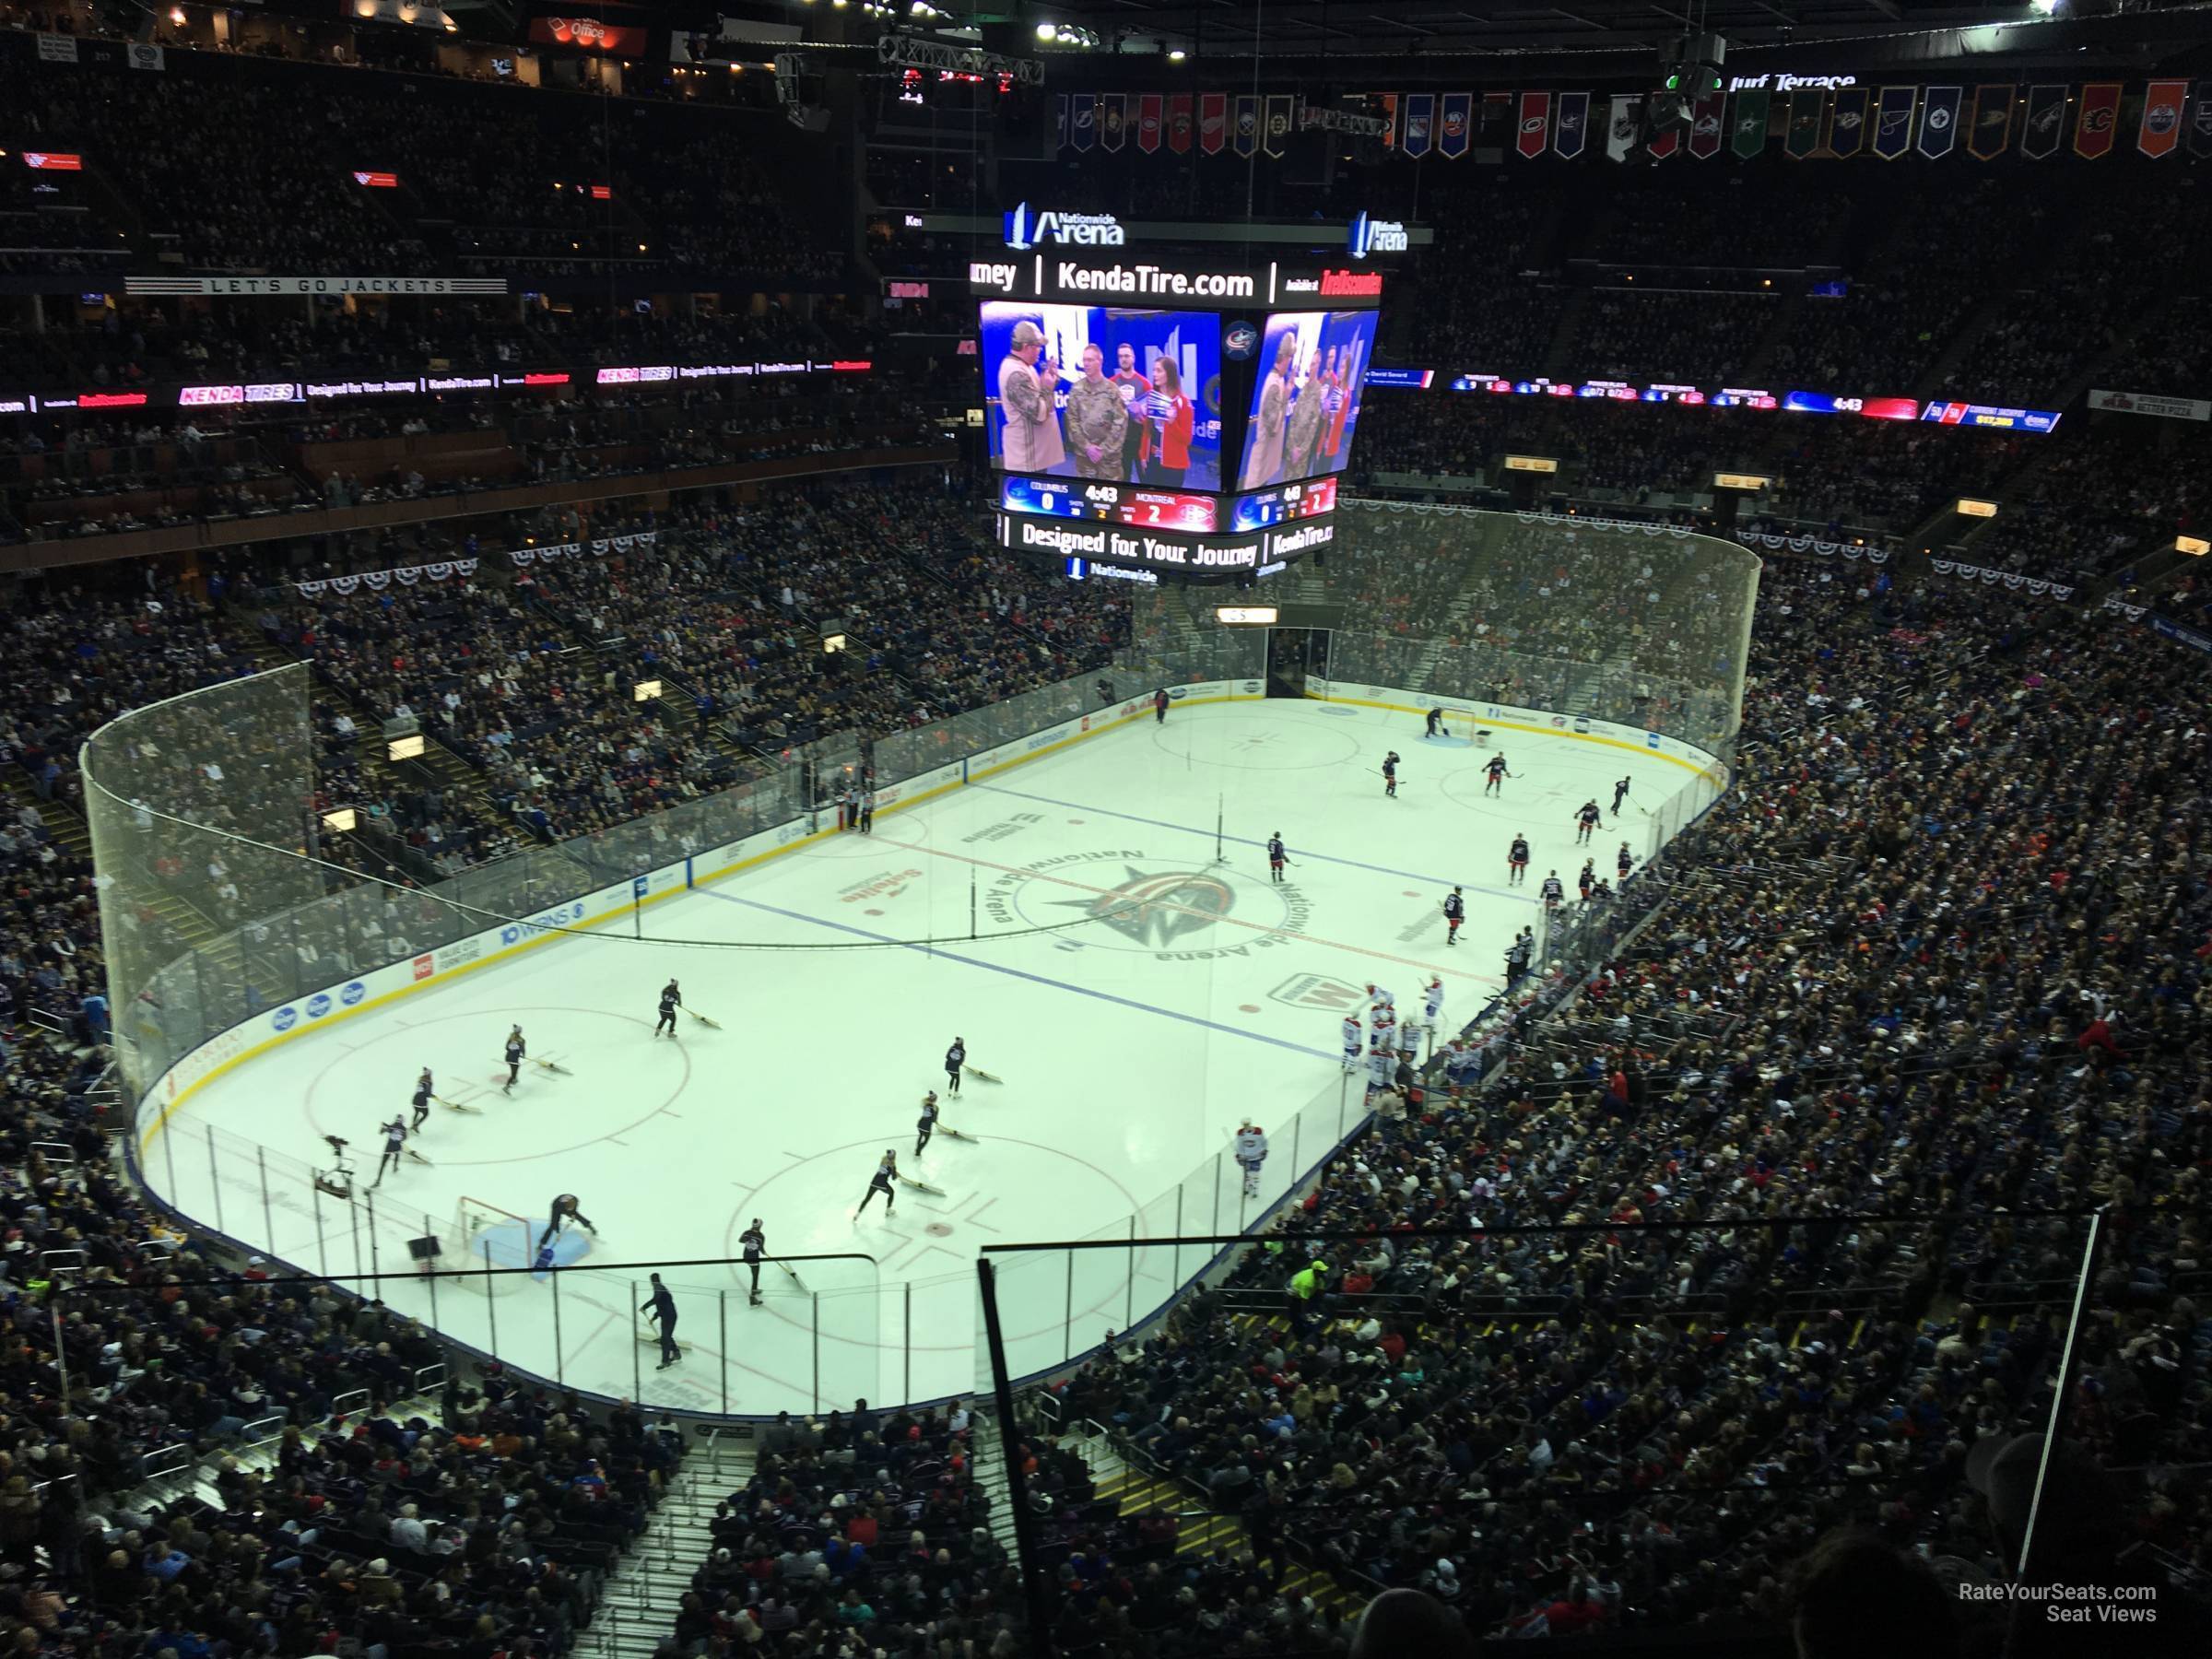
(1192, 511)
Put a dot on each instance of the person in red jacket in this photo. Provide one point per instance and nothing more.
(1164, 455)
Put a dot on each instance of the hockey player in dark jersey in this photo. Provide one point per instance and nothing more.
(886, 1173)
(423, 1090)
(1455, 911)
(1276, 857)
(1390, 774)
(1495, 772)
(564, 1210)
(517, 1051)
(671, 1000)
(1586, 820)
(955, 1057)
(1626, 862)
(1516, 862)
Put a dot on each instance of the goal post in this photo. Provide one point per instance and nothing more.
(1461, 725)
(482, 1236)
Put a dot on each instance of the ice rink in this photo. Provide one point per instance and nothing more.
(1135, 997)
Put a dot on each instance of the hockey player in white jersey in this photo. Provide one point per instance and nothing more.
(1382, 1031)
(1251, 1152)
(1354, 1041)
(1382, 1066)
(1379, 998)
(1432, 1007)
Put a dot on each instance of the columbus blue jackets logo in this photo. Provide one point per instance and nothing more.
(1238, 338)
(1119, 901)
(1158, 908)
(1571, 120)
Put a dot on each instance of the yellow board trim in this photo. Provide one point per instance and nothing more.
(1515, 725)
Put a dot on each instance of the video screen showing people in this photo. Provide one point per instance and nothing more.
(1306, 400)
(1123, 395)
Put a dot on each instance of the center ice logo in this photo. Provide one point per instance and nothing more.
(1158, 909)
(1173, 913)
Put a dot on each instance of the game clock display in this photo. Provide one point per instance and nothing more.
(1282, 505)
(1107, 503)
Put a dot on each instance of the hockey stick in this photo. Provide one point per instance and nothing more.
(977, 1071)
(455, 1105)
(711, 1024)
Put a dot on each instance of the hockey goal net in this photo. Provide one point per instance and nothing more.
(483, 1235)
(1463, 725)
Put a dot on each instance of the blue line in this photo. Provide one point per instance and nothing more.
(1035, 979)
(1242, 840)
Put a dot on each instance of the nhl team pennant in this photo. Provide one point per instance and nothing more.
(1148, 123)
(1113, 120)
(1060, 111)
(1213, 121)
(1455, 125)
(2163, 101)
(1178, 124)
(1572, 127)
(1893, 122)
(1083, 121)
(1991, 128)
(1847, 121)
(1939, 120)
(1809, 110)
(2200, 120)
(1747, 133)
(2046, 122)
(1248, 125)
(1420, 111)
(1705, 126)
(2098, 123)
(1620, 126)
(1535, 128)
(1664, 145)
(1281, 111)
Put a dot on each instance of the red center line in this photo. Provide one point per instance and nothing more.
(1261, 927)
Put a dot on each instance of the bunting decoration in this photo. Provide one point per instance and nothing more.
(1847, 123)
(2046, 120)
(1992, 130)
(1572, 127)
(445, 569)
(2099, 124)
(2160, 128)
(1281, 107)
(1178, 124)
(1455, 125)
(1939, 120)
(1893, 122)
(1420, 110)
(1705, 126)
(1247, 139)
(1747, 134)
(1213, 121)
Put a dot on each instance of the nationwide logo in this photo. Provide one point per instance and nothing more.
(1025, 229)
(1169, 912)
(285, 1018)
(318, 1005)
(1375, 236)
(1318, 991)
(353, 993)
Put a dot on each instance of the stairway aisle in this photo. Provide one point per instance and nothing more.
(638, 1607)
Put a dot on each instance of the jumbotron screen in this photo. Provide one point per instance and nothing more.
(1305, 402)
(1110, 393)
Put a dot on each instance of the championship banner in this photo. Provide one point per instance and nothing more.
(1420, 108)
(1083, 116)
(1455, 125)
(1281, 110)
(2200, 121)
(1992, 130)
(1571, 130)
(1060, 114)
(1213, 121)
(1113, 120)
(1621, 128)
(1535, 129)
(1664, 145)
(1747, 133)
(1247, 137)
(2098, 123)
(1847, 123)
(1893, 122)
(1148, 123)
(1178, 124)
(2161, 130)
(1939, 120)
(1808, 112)
(2046, 120)
(1705, 126)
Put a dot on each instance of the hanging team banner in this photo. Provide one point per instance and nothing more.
(1893, 122)
(1533, 131)
(1387, 102)
(1113, 120)
(2046, 120)
(1747, 133)
(1939, 120)
(1847, 121)
(2098, 123)
(1454, 125)
(1148, 123)
(1420, 110)
(1497, 120)
(1705, 126)
(1621, 128)
(2200, 121)
(1178, 124)
(1282, 110)
(1572, 128)
(1664, 145)
(1247, 140)
(2160, 129)
(1083, 116)
(1808, 110)
(1060, 114)
(1991, 130)
(1213, 121)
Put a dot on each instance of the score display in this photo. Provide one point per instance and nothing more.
(1285, 502)
(1109, 504)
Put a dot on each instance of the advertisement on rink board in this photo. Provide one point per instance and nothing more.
(1508, 715)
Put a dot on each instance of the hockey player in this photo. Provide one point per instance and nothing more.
(1516, 862)
(1586, 820)
(1626, 862)
(1620, 794)
(1379, 998)
(395, 1143)
(671, 1000)
(1382, 1063)
(955, 1057)
(1251, 1152)
(867, 810)
(1494, 771)
(1455, 911)
(886, 1173)
(1432, 1008)
(1586, 878)
(1383, 1032)
(564, 1210)
(1354, 1041)
(1276, 857)
(927, 1125)
(1436, 723)
(1553, 891)
(752, 1244)
(1390, 774)
(516, 1050)
(423, 1090)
